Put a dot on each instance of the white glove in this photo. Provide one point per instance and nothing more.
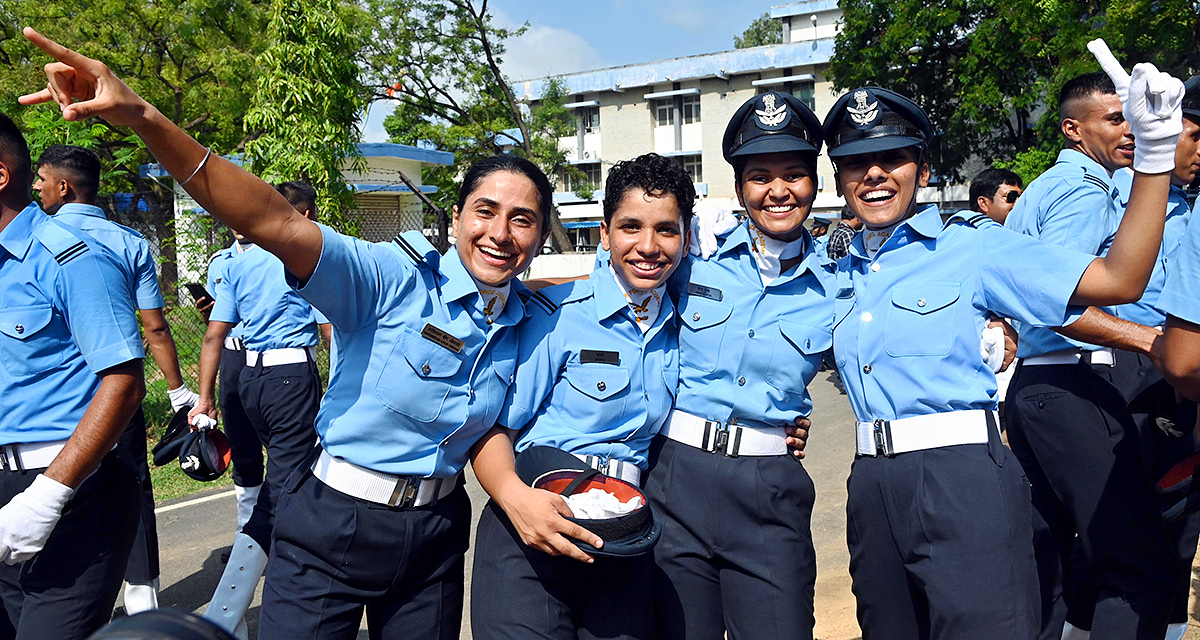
(708, 222)
(202, 421)
(1150, 100)
(182, 397)
(27, 520)
(991, 347)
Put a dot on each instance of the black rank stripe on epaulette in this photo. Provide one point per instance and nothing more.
(409, 249)
(977, 219)
(546, 303)
(1096, 181)
(71, 252)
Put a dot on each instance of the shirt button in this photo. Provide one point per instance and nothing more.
(695, 316)
(875, 267)
(600, 385)
(425, 369)
(866, 368)
(20, 328)
(921, 302)
(751, 333)
(867, 317)
(742, 381)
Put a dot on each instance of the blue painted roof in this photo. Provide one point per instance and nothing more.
(391, 188)
(801, 8)
(393, 150)
(776, 56)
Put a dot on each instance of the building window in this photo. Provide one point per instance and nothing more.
(590, 178)
(691, 109)
(806, 92)
(693, 166)
(589, 119)
(664, 113)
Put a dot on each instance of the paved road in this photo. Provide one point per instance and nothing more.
(193, 535)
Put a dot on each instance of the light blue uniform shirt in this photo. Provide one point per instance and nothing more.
(66, 314)
(1071, 205)
(216, 282)
(129, 246)
(588, 380)
(255, 293)
(1180, 296)
(1145, 311)
(748, 351)
(418, 376)
(906, 334)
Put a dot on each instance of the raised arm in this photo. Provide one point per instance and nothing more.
(83, 87)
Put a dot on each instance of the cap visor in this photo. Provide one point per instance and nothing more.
(778, 143)
(871, 145)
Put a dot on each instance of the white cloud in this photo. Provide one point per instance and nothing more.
(683, 14)
(545, 51)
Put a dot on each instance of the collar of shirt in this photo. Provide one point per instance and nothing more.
(456, 283)
(741, 238)
(18, 235)
(927, 221)
(1081, 159)
(81, 209)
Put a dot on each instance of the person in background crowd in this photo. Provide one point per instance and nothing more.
(994, 193)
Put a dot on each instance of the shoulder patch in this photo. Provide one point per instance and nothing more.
(1097, 181)
(544, 302)
(64, 245)
(416, 247)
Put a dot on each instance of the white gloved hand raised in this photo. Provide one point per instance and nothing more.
(1150, 100)
(202, 421)
(182, 397)
(991, 347)
(27, 520)
(708, 222)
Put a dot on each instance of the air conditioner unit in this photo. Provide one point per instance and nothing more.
(587, 155)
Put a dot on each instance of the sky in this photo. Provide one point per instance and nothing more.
(565, 36)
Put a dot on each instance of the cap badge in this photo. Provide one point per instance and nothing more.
(862, 113)
(771, 115)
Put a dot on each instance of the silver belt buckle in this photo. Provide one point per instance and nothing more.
(405, 492)
(7, 450)
(883, 438)
(721, 437)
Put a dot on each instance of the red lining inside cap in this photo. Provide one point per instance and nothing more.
(1180, 472)
(624, 491)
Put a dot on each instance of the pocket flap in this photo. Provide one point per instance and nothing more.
(22, 322)
(807, 339)
(926, 299)
(600, 381)
(700, 313)
(428, 358)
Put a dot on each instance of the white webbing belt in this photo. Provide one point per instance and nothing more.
(32, 455)
(626, 471)
(234, 344)
(889, 437)
(381, 488)
(1104, 355)
(273, 357)
(732, 440)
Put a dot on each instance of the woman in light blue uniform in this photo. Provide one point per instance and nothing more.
(939, 521)
(597, 373)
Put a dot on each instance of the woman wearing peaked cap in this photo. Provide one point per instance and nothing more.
(939, 520)
(426, 351)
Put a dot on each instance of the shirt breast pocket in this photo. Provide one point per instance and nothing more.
(33, 339)
(796, 355)
(597, 395)
(921, 320)
(702, 332)
(417, 377)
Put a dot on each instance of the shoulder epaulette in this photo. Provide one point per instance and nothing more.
(134, 232)
(543, 301)
(416, 247)
(1093, 179)
(976, 219)
(62, 244)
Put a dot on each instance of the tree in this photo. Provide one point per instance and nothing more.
(987, 72)
(764, 30)
(440, 61)
(308, 99)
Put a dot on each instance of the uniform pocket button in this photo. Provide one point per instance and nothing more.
(742, 381)
(696, 317)
(425, 369)
(600, 385)
(20, 328)
(866, 368)
(921, 302)
(751, 333)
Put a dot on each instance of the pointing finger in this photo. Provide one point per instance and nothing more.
(38, 97)
(1108, 62)
(57, 51)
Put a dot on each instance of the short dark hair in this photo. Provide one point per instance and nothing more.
(1080, 88)
(81, 166)
(14, 152)
(298, 193)
(512, 164)
(654, 174)
(740, 162)
(988, 182)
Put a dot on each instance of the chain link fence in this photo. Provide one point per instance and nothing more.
(183, 246)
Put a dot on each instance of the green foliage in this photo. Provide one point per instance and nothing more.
(764, 30)
(308, 100)
(988, 72)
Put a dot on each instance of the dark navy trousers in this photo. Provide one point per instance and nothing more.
(1101, 541)
(518, 592)
(281, 403)
(940, 545)
(335, 555)
(143, 558)
(244, 446)
(67, 590)
(736, 551)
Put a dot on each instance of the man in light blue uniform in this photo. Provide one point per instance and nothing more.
(1067, 422)
(597, 373)
(68, 181)
(70, 380)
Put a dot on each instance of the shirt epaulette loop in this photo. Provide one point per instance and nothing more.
(1096, 180)
(62, 244)
(973, 218)
(417, 248)
(543, 301)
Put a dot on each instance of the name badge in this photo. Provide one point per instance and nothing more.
(704, 292)
(441, 338)
(604, 357)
